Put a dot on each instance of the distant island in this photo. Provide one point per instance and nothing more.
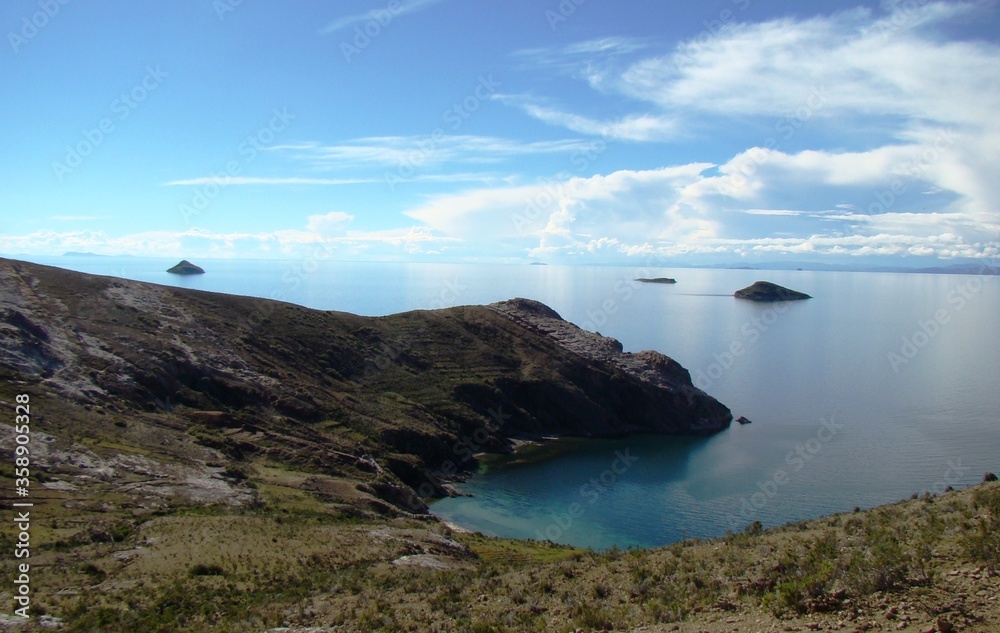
(184, 267)
(78, 254)
(657, 280)
(767, 291)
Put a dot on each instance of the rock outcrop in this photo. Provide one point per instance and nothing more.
(769, 292)
(667, 401)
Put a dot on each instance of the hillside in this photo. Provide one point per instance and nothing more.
(208, 462)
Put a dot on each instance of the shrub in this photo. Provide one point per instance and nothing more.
(205, 570)
(982, 540)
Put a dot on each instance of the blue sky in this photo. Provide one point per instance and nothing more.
(581, 131)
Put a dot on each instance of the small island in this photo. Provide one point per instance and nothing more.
(766, 291)
(186, 268)
(657, 280)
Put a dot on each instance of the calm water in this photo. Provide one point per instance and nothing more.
(881, 386)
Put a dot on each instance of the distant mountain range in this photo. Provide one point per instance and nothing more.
(984, 268)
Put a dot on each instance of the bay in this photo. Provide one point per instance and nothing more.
(881, 386)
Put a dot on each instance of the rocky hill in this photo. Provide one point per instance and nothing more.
(399, 396)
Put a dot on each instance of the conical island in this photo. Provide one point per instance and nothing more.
(184, 267)
(766, 291)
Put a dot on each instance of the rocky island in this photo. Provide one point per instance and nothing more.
(184, 267)
(656, 280)
(769, 292)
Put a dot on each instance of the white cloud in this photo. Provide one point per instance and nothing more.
(79, 218)
(331, 223)
(325, 235)
(247, 180)
(634, 127)
(774, 212)
(686, 210)
(863, 67)
(378, 15)
(423, 151)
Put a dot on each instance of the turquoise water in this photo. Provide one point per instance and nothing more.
(881, 386)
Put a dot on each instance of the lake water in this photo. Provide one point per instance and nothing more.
(881, 386)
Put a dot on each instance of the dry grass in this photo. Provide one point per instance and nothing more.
(301, 561)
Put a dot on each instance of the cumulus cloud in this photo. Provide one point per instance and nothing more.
(919, 180)
(325, 237)
(332, 223)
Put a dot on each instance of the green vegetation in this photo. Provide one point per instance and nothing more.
(217, 569)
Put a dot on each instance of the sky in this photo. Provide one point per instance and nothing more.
(556, 131)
